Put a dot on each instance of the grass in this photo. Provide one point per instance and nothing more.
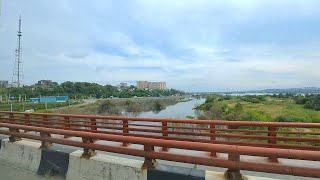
(278, 107)
(270, 110)
(38, 107)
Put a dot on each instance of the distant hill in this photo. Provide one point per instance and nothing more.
(304, 90)
(288, 90)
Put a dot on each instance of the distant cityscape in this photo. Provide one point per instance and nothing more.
(149, 85)
(145, 85)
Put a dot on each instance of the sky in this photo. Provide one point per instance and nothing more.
(193, 45)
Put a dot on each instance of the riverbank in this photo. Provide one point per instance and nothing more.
(123, 106)
(257, 108)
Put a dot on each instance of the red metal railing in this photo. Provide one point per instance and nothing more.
(264, 139)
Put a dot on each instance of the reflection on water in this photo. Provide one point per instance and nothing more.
(179, 110)
(163, 110)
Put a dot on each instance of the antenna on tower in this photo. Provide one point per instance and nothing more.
(17, 70)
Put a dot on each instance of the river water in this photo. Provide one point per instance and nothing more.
(179, 110)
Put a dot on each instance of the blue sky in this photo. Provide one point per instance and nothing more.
(193, 45)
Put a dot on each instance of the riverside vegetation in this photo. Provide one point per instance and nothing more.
(122, 106)
(77, 91)
(83, 90)
(276, 108)
(264, 108)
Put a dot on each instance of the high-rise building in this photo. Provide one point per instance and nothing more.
(45, 82)
(123, 85)
(163, 85)
(142, 84)
(151, 85)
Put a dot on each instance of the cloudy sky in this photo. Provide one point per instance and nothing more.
(193, 45)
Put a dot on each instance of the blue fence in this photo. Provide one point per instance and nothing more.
(50, 99)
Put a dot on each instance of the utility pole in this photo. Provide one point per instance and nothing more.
(17, 71)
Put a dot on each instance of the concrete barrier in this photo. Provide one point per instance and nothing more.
(211, 175)
(2, 138)
(59, 161)
(104, 167)
(175, 173)
(54, 161)
(22, 154)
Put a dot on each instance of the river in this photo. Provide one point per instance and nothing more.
(179, 110)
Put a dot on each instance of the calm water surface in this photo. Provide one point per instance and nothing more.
(179, 110)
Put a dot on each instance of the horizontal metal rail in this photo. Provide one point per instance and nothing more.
(188, 121)
(254, 144)
(268, 134)
(150, 142)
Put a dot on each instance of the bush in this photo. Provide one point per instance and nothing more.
(301, 100)
(108, 107)
(255, 116)
(255, 100)
(313, 102)
(283, 118)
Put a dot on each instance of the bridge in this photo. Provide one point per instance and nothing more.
(269, 147)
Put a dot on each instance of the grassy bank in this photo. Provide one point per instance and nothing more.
(266, 109)
(37, 107)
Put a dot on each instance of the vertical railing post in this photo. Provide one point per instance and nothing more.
(233, 173)
(94, 128)
(27, 120)
(164, 133)
(66, 125)
(45, 121)
(45, 144)
(213, 137)
(149, 163)
(88, 153)
(93, 124)
(125, 126)
(11, 118)
(14, 130)
(272, 133)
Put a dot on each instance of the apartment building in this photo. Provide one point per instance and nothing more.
(151, 85)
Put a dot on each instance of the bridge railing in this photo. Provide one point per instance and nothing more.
(267, 139)
(303, 136)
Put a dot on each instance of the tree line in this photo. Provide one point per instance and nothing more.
(82, 90)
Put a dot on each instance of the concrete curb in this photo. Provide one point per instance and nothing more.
(22, 154)
(54, 161)
(175, 173)
(1, 139)
(105, 167)
(211, 175)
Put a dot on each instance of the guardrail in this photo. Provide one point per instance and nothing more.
(265, 139)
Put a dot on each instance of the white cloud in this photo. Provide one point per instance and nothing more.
(194, 45)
